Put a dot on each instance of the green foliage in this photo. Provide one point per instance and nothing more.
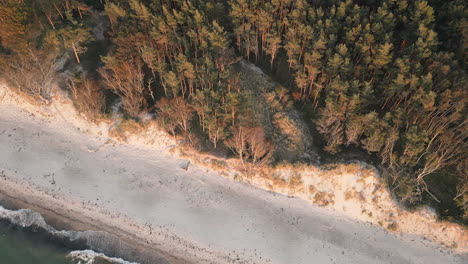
(14, 24)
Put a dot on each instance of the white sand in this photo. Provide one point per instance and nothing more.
(195, 215)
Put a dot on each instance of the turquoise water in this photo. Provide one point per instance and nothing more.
(18, 246)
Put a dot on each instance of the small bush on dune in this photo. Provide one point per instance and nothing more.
(87, 97)
(250, 144)
(295, 181)
(174, 113)
(324, 198)
(125, 128)
(126, 79)
(218, 164)
(31, 72)
(392, 226)
(312, 189)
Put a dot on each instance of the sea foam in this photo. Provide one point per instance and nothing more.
(89, 257)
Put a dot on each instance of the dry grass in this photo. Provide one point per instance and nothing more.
(264, 173)
(366, 212)
(361, 181)
(367, 173)
(353, 168)
(279, 181)
(324, 198)
(131, 126)
(376, 199)
(31, 99)
(125, 129)
(295, 181)
(393, 226)
(284, 165)
(218, 164)
(312, 189)
(349, 195)
(88, 98)
(330, 170)
(329, 167)
(237, 177)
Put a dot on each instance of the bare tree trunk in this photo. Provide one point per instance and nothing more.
(50, 21)
(58, 10)
(76, 53)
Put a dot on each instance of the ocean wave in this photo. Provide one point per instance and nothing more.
(91, 257)
(25, 218)
(93, 240)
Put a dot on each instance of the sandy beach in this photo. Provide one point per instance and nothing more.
(145, 197)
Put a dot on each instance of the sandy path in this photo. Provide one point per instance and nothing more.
(238, 222)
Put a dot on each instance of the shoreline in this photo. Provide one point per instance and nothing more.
(61, 219)
(194, 215)
(64, 214)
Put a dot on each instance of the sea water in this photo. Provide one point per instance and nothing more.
(18, 246)
(22, 246)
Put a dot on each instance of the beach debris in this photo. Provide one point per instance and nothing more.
(185, 165)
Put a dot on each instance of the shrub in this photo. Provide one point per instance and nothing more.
(393, 226)
(324, 198)
(312, 189)
(173, 113)
(295, 180)
(125, 128)
(87, 97)
(31, 72)
(250, 143)
(126, 78)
